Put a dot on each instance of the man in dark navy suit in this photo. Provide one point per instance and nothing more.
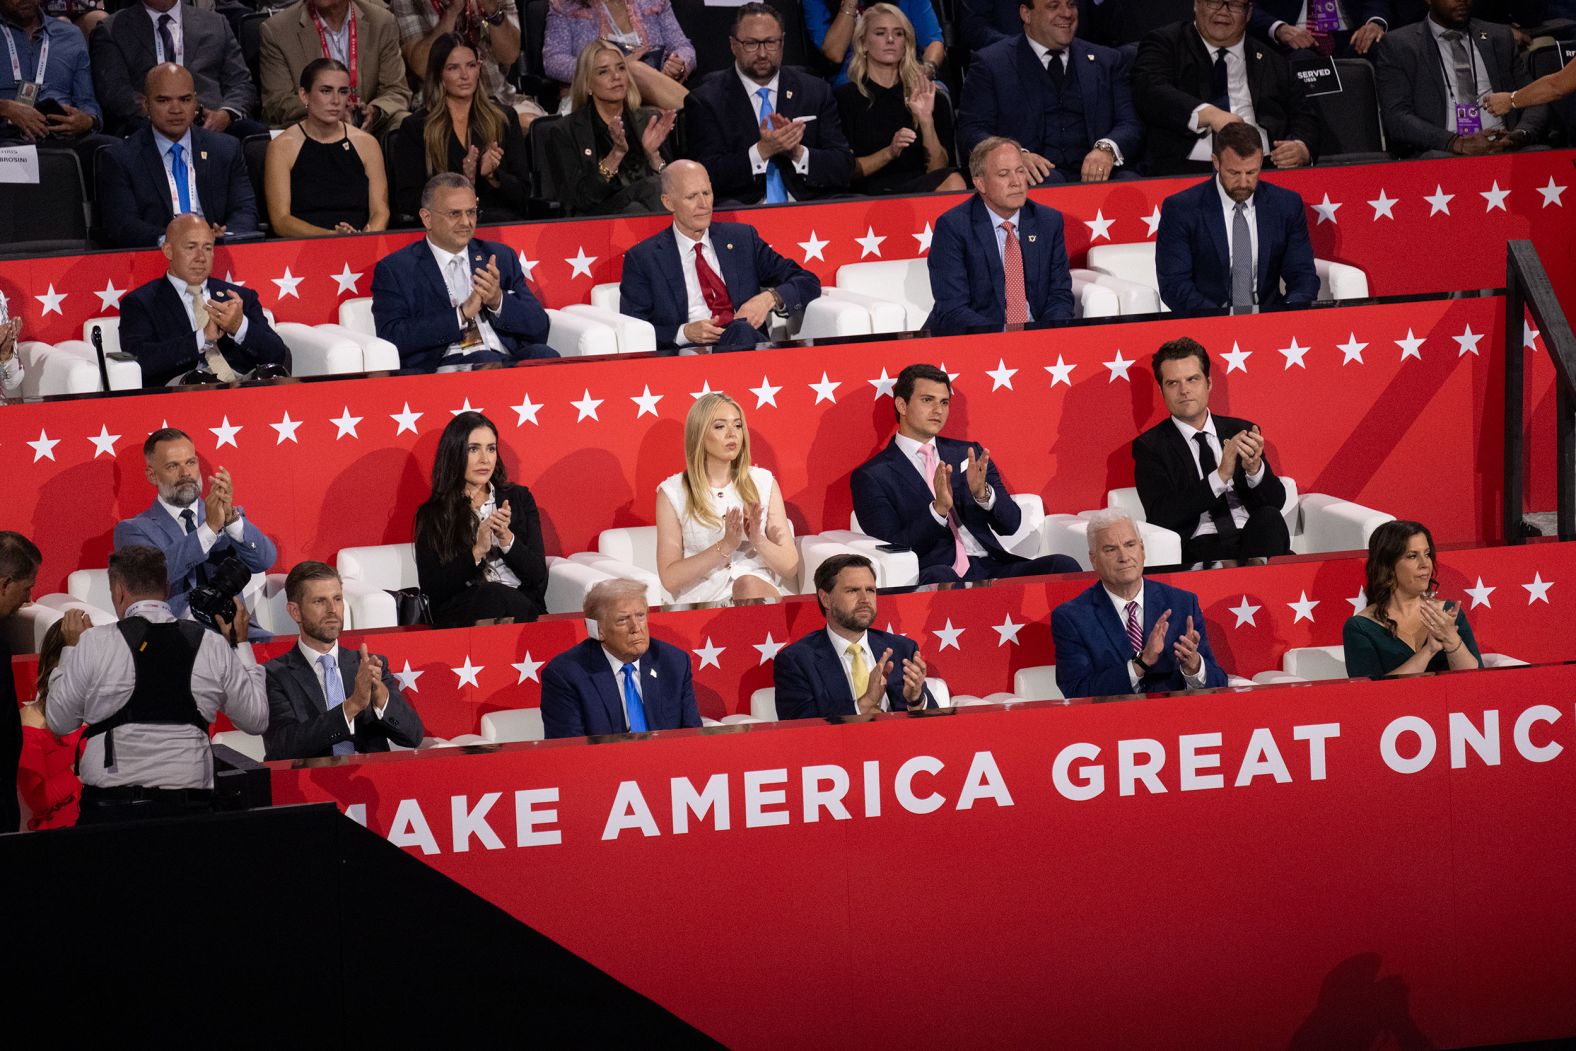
(1340, 27)
(705, 284)
(325, 700)
(190, 327)
(767, 133)
(1127, 634)
(1064, 100)
(450, 302)
(188, 526)
(1231, 241)
(850, 668)
(168, 167)
(942, 498)
(623, 681)
(998, 258)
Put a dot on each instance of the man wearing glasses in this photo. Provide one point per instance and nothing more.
(1193, 78)
(766, 133)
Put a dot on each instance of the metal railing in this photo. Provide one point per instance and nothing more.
(1528, 290)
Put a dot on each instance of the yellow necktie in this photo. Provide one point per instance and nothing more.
(858, 671)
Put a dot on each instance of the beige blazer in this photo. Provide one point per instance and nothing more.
(290, 42)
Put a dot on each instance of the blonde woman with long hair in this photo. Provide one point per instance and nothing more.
(898, 125)
(722, 531)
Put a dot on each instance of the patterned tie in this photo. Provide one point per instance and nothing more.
(334, 694)
(178, 172)
(1241, 258)
(1057, 69)
(1466, 76)
(960, 557)
(1135, 633)
(166, 39)
(712, 288)
(1012, 272)
(857, 670)
(632, 706)
(1220, 85)
(215, 359)
(1220, 510)
(776, 192)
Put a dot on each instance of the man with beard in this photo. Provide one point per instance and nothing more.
(850, 668)
(324, 700)
(189, 527)
(1231, 241)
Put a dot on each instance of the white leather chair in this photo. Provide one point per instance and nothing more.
(822, 317)
(1135, 262)
(71, 367)
(885, 315)
(90, 589)
(568, 581)
(1026, 542)
(515, 724)
(939, 690)
(735, 720)
(1276, 678)
(763, 704)
(1316, 522)
(249, 745)
(25, 629)
(1131, 297)
(631, 551)
(1315, 662)
(571, 336)
(1069, 535)
(906, 283)
(368, 574)
(269, 607)
(1037, 682)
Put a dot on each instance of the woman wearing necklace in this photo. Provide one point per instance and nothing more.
(606, 155)
(322, 176)
(1405, 629)
(722, 532)
(661, 56)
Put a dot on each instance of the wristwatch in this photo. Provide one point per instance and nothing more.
(1143, 668)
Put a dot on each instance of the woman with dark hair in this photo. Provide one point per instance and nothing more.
(321, 175)
(1405, 629)
(899, 126)
(606, 154)
(478, 537)
(46, 776)
(459, 129)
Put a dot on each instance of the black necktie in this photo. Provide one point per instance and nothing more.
(1220, 511)
(1219, 85)
(190, 519)
(166, 39)
(1057, 70)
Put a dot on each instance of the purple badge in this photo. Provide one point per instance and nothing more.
(1469, 119)
(1324, 16)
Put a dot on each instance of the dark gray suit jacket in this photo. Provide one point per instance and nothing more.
(300, 725)
(1413, 92)
(122, 50)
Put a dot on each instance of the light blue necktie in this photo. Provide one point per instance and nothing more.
(334, 693)
(178, 173)
(776, 192)
(636, 710)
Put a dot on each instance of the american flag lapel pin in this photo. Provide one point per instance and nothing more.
(652, 673)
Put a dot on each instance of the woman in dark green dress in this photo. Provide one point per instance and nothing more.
(1406, 629)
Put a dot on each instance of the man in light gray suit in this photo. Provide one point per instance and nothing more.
(1433, 75)
(137, 38)
(188, 526)
(324, 699)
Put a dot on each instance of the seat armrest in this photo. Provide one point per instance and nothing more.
(577, 336)
(635, 335)
(314, 353)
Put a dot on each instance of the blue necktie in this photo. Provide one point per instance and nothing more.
(178, 173)
(776, 192)
(334, 693)
(636, 710)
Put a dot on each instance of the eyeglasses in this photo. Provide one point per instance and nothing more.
(454, 215)
(1235, 7)
(769, 44)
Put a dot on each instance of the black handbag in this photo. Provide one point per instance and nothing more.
(411, 607)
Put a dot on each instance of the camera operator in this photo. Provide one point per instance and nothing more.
(191, 528)
(148, 687)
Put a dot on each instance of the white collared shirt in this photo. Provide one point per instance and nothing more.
(1043, 54)
(1237, 94)
(914, 450)
(757, 162)
(618, 679)
(177, 31)
(312, 657)
(1481, 84)
(1250, 212)
(1217, 485)
(445, 259)
(179, 284)
(494, 568)
(205, 535)
(841, 646)
(695, 298)
(1120, 605)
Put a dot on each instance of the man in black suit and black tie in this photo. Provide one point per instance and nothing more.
(190, 327)
(1204, 476)
(1195, 77)
(324, 700)
(169, 168)
(766, 132)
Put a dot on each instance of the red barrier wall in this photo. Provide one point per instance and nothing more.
(1299, 886)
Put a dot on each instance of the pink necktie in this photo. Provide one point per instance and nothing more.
(1135, 634)
(960, 560)
(1012, 270)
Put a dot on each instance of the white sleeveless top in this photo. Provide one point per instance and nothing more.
(717, 586)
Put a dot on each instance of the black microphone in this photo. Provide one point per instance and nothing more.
(98, 348)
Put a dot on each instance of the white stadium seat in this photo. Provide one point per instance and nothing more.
(1135, 262)
(368, 575)
(1069, 535)
(1037, 683)
(515, 724)
(1317, 523)
(249, 745)
(763, 704)
(25, 629)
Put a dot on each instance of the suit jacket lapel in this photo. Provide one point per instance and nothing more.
(829, 669)
(1252, 56)
(608, 688)
(652, 696)
(156, 176)
(1092, 79)
(1105, 613)
(1216, 220)
(1263, 225)
(736, 275)
(1032, 77)
(427, 266)
(984, 224)
(306, 681)
(1028, 233)
(908, 477)
(672, 269)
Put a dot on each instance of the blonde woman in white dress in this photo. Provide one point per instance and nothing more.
(722, 532)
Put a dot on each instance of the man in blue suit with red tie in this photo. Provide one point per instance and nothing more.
(849, 668)
(1063, 99)
(625, 681)
(1232, 241)
(998, 258)
(451, 302)
(704, 284)
(942, 498)
(1126, 634)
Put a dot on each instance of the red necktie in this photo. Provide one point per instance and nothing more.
(1012, 270)
(713, 289)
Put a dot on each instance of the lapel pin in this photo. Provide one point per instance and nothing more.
(1258, 55)
(652, 673)
(1089, 57)
(788, 94)
(1031, 238)
(730, 248)
(588, 153)
(204, 154)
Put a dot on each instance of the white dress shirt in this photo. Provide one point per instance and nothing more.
(312, 657)
(1043, 53)
(757, 162)
(494, 568)
(1217, 485)
(177, 33)
(1481, 85)
(618, 683)
(1250, 212)
(695, 298)
(840, 646)
(915, 452)
(1237, 93)
(1120, 605)
(444, 260)
(236, 530)
(179, 284)
(95, 679)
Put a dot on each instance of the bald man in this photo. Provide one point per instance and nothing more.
(710, 286)
(170, 167)
(189, 327)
